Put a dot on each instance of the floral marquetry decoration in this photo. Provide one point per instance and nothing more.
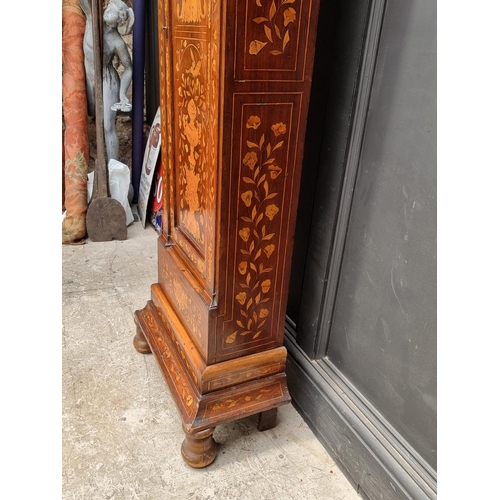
(192, 157)
(257, 236)
(253, 122)
(275, 18)
(191, 11)
(279, 129)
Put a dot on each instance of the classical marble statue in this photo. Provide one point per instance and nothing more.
(118, 20)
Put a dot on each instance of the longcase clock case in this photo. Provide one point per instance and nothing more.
(235, 79)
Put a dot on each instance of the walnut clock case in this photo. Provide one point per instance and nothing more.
(234, 92)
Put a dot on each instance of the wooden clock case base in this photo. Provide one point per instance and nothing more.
(207, 396)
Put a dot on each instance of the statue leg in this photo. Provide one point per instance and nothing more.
(199, 449)
(111, 94)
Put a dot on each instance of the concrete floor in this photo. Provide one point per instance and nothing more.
(120, 428)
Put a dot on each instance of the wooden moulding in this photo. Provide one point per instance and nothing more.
(218, 393)
(220, 375)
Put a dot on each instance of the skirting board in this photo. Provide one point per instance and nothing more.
(374, 461)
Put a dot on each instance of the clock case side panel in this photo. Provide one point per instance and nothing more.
(264, 124)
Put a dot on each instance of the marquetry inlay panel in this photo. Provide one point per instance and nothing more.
(264, 147)
(191, 119)
(193, 125)
(274, 31)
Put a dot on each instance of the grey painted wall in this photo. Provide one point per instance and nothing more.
(383, 335)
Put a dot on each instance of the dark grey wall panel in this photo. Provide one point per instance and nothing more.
(339, 50)
(151, 58)
(377, 464)
(383, 337)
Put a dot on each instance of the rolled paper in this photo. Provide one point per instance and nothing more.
(76, 137)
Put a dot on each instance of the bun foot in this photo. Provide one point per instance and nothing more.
(140, 343)
(199, 448)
